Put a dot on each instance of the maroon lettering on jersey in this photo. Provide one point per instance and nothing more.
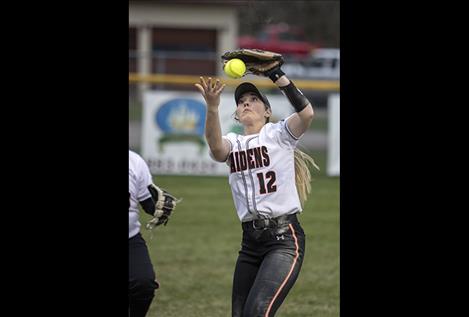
(250, 154)
(265, 155)
(258, 157)
(237, 161)
(250, 159)
(232, 163)
(243, 160)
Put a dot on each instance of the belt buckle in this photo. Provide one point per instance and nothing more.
(266, 222)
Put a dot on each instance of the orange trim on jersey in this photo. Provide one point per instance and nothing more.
(289, 273)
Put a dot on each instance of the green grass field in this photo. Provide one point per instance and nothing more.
(195, 254)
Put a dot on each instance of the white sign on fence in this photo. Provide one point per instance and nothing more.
(333, 147)
(173, 139)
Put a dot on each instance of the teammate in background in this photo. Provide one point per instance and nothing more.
(159, 204)
(270, 181)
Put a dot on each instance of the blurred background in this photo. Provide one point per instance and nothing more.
(171, 44)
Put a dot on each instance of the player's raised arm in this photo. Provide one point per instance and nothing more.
(266, 63)
(299, 122)
(211, 90)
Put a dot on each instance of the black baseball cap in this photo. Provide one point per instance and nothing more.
(248, 87)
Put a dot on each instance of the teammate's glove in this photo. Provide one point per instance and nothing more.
(258, 62)
(165, 203)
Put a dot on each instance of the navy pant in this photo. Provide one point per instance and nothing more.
(267, 267)
(142, 283)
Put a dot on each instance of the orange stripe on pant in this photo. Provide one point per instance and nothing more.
(289, 273)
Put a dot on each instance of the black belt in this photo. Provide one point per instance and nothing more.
(269, 223)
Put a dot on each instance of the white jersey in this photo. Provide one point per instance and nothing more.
(139, 179)
(262, 172)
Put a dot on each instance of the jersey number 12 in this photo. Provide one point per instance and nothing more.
(271, 187)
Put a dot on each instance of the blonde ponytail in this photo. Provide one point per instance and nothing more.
(303, 175)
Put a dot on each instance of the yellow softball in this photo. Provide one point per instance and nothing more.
(235, 68)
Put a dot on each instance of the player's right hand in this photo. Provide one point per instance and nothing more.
(211, 91)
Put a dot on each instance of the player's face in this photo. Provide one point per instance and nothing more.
(251, 108)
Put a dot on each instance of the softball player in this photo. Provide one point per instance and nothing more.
(269, 180)
(142, 283)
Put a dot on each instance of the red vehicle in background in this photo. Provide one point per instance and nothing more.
(280, 38)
